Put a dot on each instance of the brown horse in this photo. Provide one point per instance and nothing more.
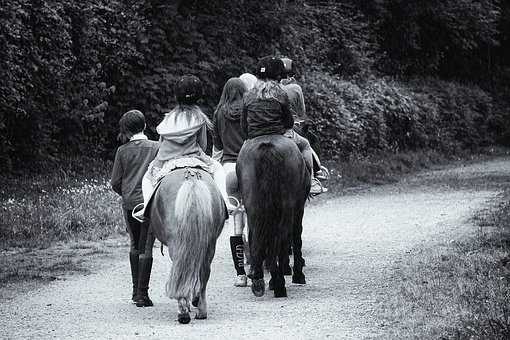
(275, 183)
(187, 214)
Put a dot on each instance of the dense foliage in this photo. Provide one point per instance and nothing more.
(69, 69)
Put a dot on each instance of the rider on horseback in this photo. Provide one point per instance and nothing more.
(268, 110)
(301, 121)
(183, 139)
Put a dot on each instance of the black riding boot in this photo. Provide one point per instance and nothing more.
(237, 248)
(142, 296)
(133, 261)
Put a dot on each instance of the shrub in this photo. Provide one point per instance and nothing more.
(70, 69)
(378, 114)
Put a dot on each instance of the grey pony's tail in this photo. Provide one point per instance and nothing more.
(194, 216)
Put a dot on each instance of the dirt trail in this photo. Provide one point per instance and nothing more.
(349, 242)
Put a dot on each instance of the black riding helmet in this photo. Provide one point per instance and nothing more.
(270, 68)
(188, 90)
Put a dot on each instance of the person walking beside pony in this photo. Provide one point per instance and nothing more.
(229, 138)
(182, 143)
(131, 162)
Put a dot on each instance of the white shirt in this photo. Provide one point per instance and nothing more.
(138, 136)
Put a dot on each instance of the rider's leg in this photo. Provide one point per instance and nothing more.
(237, 249)
(147, 189)
(236, 240)
(220, 180)
(321, 172)
(316, 161)
(307, 152)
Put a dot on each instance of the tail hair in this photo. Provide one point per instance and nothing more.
(193, 212)
(271, 218)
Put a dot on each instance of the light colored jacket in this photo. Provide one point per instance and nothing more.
(181, 136)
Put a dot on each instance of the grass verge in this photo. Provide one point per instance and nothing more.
(384, 168)
(41, 209)
(459, 290)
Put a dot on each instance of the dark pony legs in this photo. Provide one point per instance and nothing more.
(297, 243)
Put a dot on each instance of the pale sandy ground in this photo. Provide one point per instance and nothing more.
(350, 243)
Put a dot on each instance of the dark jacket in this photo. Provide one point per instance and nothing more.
(131, 162)
(296, 100)
(266, 116)
(227, 133)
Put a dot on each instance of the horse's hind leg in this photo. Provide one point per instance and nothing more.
(202, 301)
(258, 286)
(299, 262)
(277, 276)
(183, 316)
(286, 266)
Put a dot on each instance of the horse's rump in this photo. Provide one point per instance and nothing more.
(273, 178)
(187, 215)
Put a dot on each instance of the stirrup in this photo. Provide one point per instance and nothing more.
(238, 207)
(323, 189)
(139, 212)
(322, 174)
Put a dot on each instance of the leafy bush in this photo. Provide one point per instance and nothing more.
(377, 114)
(449, 38)
(70, 69)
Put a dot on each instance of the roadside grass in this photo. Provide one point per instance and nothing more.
(89, 212)
(458, 290)
(39, 210)
(51, 223)
(387, 167)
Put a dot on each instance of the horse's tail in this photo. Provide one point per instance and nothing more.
(271, 217)
(194, 216)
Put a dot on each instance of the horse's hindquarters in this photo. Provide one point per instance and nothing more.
(188, 215)
(273, 179)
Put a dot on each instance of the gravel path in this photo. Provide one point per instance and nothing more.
(348, 243)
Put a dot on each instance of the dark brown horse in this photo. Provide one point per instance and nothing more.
(187, 214)
(275, 183)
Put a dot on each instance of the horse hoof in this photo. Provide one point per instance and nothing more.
(184, 318)
(257, 287)
(201, 317)
(143, 302)
(299, 279)
(280, 292)
(195, 301)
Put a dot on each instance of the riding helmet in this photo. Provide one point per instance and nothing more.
(188, 90)
(270, 68)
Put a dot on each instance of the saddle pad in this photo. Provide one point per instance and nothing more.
(157, 173)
